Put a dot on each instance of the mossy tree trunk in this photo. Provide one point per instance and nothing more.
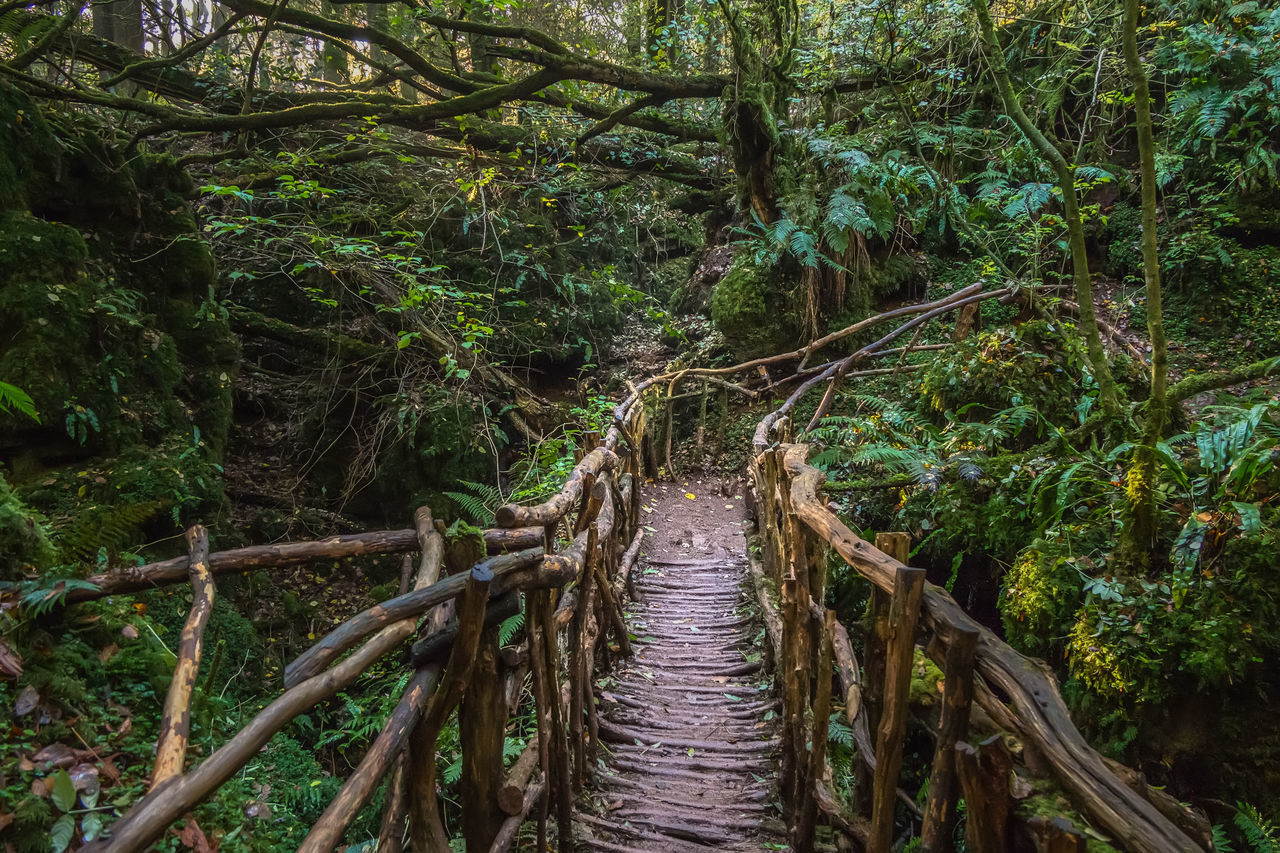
(1140, 534)
(1108, 393)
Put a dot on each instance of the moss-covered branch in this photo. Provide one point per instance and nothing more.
(1108, 392)
(1201, 382)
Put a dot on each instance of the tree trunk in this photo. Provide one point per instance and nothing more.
(1108, 393)
(1139, 535)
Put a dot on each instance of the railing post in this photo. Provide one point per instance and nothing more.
(904, 612)
(482, 723)
(984, 775)
(940, 810)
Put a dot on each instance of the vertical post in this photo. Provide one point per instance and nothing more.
(542, 702)
(559, 744)
(803, 840)
(482, 722)
(876, 640)
(792, 709)
(579, 667)
(957, 695)
(984, 776)
(904, 612)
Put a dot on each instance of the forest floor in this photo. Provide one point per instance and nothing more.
(689, 726)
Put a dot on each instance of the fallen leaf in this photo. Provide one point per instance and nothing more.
(691, 496)
(10, 661)
(192, 836)
(107, 652)
(27, 701)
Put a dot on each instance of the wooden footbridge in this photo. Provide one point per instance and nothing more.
(666, 718)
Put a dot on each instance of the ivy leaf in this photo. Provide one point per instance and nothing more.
(1250, 517)
(90, 826)
(64, 791)
(60, 835)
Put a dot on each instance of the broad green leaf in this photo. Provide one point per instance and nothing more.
(64, 791)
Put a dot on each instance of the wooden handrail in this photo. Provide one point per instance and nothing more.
(1035, 703)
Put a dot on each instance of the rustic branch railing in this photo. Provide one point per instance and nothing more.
(797, 529)
(571, 559)
(573, 595)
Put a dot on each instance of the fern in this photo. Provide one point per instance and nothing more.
(13, 398)
(480, 501)
(1263, 835)
(510, 628)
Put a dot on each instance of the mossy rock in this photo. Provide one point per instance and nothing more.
(749, 309)
(107, 286)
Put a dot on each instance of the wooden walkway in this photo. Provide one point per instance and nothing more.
(689, 727)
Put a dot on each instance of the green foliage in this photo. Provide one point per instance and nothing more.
(1262, 835)
(747, 308)
(1031, 366)
(24, 538)
(480, 500)
(1226, 107)
(13, 398)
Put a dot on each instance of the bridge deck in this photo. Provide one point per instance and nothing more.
(689, 725)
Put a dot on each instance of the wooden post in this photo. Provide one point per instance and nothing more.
(425, 826)
(940, 810)
(560, 777)
(904, 612)
(579, 667)
(803, 840)
(542, 702)
(482, 722)
(984, 776)
(875, 642)
(792, 703)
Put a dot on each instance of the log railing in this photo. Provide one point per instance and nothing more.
(569, 559)
(797, 530)
(567, 564)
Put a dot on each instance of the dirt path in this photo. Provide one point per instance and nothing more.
(688, 724)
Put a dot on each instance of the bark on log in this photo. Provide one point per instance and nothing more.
(554, 508)
(1056, 835)
(511, 826)
(133, 579)
(175, 721)
(506, 569)
(511, 794)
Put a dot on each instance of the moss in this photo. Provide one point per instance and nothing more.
(925, 678)
(24, 542)
(1047, 801)
(749, 310)
(27, 144)
(107, 286)
(1041, 592)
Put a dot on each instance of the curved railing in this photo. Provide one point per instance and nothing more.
(569, 558)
